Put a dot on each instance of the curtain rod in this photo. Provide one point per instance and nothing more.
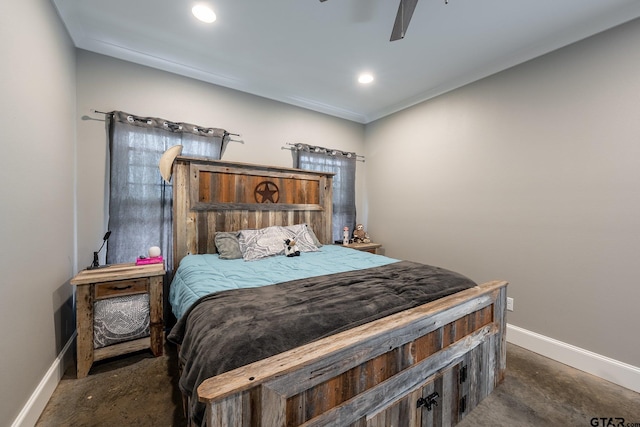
(111, 114)
(361, 159)
(358, 156)
(100, 112)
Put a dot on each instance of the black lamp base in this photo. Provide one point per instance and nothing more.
(96, 264)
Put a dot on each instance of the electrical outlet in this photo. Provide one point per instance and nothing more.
(509, 304)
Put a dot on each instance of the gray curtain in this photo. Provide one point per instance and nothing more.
(140, 202)
(343, 164)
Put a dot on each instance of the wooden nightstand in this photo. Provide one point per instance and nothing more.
(114, 281)
(367, 247)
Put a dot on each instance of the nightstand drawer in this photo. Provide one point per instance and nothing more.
(121, 288)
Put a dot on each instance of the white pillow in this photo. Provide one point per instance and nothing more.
(264, 242)
(303, 237)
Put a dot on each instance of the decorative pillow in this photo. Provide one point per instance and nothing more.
(120, 319)
(264, 242)
(228, 245)
(302, 234)
(313, 237)
(256, 244)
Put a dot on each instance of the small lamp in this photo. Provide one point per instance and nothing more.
(96, 263)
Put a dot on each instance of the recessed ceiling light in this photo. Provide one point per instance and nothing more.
(203, 13)
(365, 78)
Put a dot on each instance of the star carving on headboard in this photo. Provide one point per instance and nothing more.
(267, 192)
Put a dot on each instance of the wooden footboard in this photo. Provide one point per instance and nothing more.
(429, 365)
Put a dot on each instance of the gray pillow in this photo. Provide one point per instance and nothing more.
(227, 245)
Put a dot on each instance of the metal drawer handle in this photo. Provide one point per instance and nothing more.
(429, 401)
(121, 288)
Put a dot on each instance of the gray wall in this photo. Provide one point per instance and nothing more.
(532, 176)
(107, 84)
(37, 259)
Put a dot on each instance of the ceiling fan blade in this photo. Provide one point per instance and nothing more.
(405, 12)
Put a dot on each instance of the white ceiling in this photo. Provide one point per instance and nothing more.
(308, 53)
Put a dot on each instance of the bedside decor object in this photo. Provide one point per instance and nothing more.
(143, 283)
(150, 260)
(166, 161)
(154, 251)
(345, 236)
(153, 258)
(290, 248)
(359, 235)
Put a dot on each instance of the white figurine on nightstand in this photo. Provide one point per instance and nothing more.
(154, 251)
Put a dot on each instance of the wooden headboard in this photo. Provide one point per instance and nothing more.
(212, 195)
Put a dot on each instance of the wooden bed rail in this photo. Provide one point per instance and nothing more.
(377, 372)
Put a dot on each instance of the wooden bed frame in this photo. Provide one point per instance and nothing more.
(429, 365)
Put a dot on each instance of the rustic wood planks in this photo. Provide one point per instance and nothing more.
(212, 196)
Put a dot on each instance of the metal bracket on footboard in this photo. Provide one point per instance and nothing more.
(429, 401)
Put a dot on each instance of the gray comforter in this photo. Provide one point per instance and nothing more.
(226, 330)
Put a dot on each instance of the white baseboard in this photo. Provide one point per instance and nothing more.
(620, 373)
(39, 398)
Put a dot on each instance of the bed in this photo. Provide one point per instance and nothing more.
(346, 338)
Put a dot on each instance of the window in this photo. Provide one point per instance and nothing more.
(140, 201)
(344, 188)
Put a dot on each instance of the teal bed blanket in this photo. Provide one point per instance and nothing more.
(200, 275)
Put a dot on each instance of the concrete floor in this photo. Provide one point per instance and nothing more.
(139, 390)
